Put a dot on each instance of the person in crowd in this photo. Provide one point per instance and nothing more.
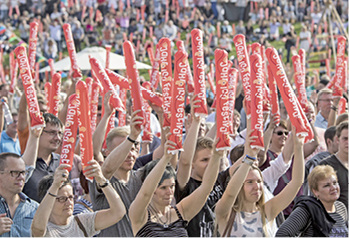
(9, 141)
(242, 204)
(47, 161)
(324, 103)
(54, 217)
(332, 148)
(151, 213)
(339, 161)
(16, 209)
(319, 215)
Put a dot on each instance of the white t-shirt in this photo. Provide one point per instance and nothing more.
(72, 229)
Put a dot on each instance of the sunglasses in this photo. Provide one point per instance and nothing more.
(63, 199)
(279, 133)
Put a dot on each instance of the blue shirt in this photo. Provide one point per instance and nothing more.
(7, 144)
(320, 121)
(23, 217)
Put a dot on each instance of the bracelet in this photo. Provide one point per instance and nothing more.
(104, 184)
(334, 108)
(250, 157)
(133, 141)
(52, 195)
(248, 161)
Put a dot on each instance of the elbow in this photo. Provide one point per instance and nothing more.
(37, 232)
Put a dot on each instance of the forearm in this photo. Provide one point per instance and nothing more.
(211, 173)
(116, 158)
(212, 132)
(99, 133)
(159, 152)
(298, 167)
(43, 213)
(23, 114)
(31, 150)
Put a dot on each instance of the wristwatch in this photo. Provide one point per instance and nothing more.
(248, 160)
(104, 184)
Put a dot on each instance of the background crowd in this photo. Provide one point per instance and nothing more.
(138, 188)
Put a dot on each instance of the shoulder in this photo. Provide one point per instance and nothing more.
(29, 203)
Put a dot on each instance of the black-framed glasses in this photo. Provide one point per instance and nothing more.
(16, 173)
(63, 199)
(326, 100)
(53, 133)
(280, 133)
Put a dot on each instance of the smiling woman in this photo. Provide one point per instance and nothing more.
(54, 217)
(322, 215)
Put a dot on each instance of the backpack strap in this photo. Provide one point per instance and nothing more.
(80, 225)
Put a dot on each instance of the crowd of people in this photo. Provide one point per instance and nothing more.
(138, 188)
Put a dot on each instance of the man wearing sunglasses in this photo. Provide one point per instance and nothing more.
(16, 209)
(47, 161)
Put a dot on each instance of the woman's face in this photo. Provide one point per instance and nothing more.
(63, 208)
(163, 195)
(253, 186)
(279, 137)
(328, 190)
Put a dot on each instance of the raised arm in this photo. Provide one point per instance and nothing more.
(268, 133)
(31, 150)
(116, 211)
(138, 208)
(159, 152)
(224, 205)
(119, 154)
(333, 113)
(44, 210)
(186, 157)
(192, 204)
(62, 114)
(99, 133)
(285, 197)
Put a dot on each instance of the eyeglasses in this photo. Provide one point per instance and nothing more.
(326, 100)
(279, 133)
(54, 133)
(16, 173)
(63, 199)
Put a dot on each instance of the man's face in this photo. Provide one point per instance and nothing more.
(343, 142)
(12, 176)
(51, 137)
(324, 103)
(200, 162)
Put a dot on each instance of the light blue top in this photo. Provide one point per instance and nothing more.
(22, 218)
(7, 144)
(320, 121)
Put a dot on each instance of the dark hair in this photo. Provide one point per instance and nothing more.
(46, 182)
(4, 156)
(3, 85)
(168, 173)
(330, 133)
(324, 81)
(52, 119)
(236, 153)
(342, 126)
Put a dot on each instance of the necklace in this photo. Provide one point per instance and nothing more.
(158, 219)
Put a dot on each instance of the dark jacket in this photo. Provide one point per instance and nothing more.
(321, 221)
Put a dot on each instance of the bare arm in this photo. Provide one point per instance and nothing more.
(333, 113)
(186, 157)
(267, 137)
(310, 147)
(116, 211)
(43, 212)
(119, 154)
(193, 203)
(159, 152)
(138, 208)
(285, 197)
(99, 133)
(23, 114)
(31, 150)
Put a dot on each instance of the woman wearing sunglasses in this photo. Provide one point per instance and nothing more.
(54, 217)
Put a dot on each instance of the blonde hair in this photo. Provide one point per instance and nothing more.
(320, 172)
(122, 131)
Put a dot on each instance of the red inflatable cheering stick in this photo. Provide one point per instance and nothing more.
(199, 71)
(71, 50)
(222, 100)
(33, 106)
(133, 77)
(55, 94)
(33, 40)
(70, 132)
(84, 119)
